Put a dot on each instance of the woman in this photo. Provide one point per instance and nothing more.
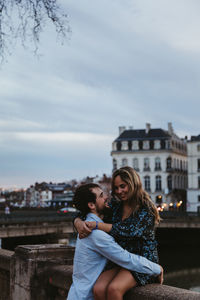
(133, 219)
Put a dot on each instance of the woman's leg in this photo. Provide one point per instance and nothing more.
(102, 282)
(120, 284)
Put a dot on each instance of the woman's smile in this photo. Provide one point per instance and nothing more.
(121, 188)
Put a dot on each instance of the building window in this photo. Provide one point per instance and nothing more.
(135, 145)
(114, 146)
(198, 147)
(146, 145)
(119, 146)
(174, 163)
(157, 144)
(199, 198)
(135, 164)
(178, 182)
(157, 164)
(169, 163)
(114, 164)
(158, 183)
(167, 144)
(169, 182)
(175, 181)
(146, 164)
(147, 184)
(198, 165)
(124, 145)
(124, 162)
(198, 182)
(178, 165)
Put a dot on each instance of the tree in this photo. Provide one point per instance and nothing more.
(24, 20)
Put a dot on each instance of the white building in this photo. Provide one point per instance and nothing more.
(160, 158)
(193, 192)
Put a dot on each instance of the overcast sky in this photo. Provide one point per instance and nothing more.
(126, 63)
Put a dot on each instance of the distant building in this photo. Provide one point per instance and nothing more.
(64, 200)
(160, 158)
(42, 194)
(193, 192)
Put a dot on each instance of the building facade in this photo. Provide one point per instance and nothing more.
(160, 158)
(193, 192)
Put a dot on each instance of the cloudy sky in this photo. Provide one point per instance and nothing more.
(126, 63)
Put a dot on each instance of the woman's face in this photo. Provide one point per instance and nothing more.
(121, 188)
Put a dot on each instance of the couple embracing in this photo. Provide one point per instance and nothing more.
(116, 248)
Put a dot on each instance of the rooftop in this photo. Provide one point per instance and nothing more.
(137, 134)
(195, 138)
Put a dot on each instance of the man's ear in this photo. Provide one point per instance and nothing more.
(91, 205)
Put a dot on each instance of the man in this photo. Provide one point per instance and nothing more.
(92, 252)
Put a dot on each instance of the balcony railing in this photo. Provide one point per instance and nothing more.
(157, 169)
(146, 169)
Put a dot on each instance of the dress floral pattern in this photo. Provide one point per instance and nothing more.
(136, 235)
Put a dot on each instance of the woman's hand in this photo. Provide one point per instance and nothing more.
(82, 228)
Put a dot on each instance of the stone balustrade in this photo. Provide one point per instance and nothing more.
(44, 272)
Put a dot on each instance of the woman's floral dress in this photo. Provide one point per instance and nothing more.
(136, 235)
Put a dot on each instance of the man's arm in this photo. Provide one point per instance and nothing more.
(105, 245)
(82, 228)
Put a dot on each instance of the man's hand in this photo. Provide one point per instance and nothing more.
(91, 224)
(82, 228)
(160, 277)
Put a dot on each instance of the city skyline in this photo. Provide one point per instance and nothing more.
(125, 64)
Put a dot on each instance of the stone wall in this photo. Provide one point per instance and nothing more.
(5, 258)
(44, 272)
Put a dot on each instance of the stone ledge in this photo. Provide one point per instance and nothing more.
(60, 277)
(161, 292)
(5, 257)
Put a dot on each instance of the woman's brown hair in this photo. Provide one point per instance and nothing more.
(137, 196)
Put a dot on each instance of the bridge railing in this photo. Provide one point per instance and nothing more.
(38, 216)
(29, 217)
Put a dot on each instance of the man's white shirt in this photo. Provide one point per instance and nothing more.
(90, 258)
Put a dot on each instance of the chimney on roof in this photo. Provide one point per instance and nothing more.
(170, 128)
(121, 129)
(148, 127)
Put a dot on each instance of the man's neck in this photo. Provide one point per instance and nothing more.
(97, 214)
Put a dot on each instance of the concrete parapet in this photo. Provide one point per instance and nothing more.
(161, 292)
(60, 278)
(44, 272)
(5, 258)
(29, 264)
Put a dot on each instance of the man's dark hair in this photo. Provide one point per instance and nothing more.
(83, 195)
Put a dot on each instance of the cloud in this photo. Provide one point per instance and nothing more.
(126, 63)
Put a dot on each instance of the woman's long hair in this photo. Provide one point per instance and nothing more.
(137, 196)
